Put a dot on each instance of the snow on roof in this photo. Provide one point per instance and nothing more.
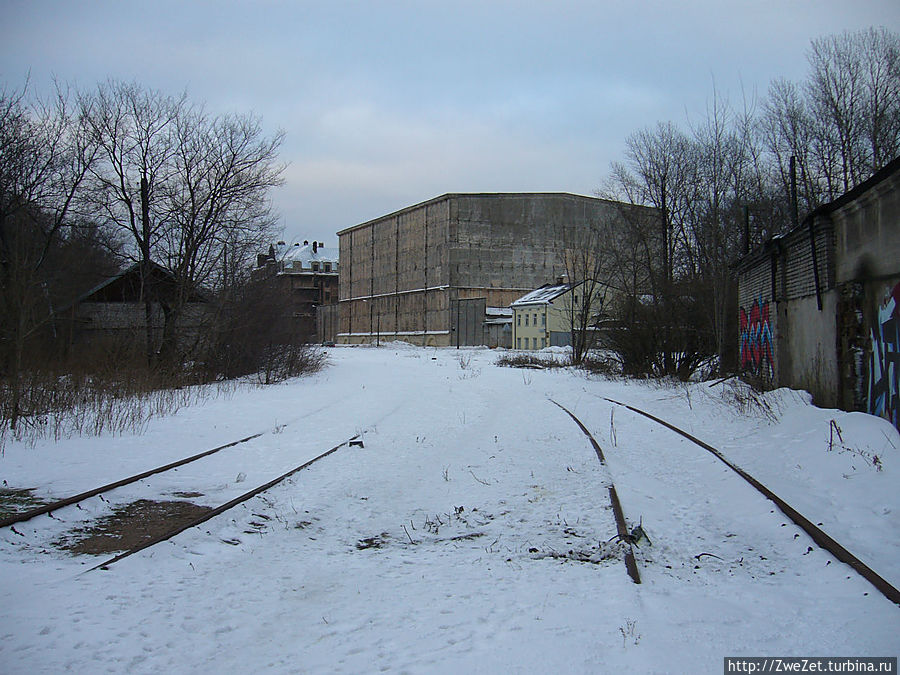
(544, 294)
(498, 311)
(305, 254)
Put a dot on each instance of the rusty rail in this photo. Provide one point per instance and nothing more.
(621, 526)
(219, 509)
(68, 501)
(822, 539)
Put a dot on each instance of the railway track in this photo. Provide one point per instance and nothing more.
(823, 540)
(220, 509)
(57, 504)
(87, 494)
(206, 515)
(622, 532)
(621, 526)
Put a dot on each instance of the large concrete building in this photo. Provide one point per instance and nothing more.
(427, 273)
(820, 305)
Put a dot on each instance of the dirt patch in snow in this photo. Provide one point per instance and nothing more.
(130, 526)
(18, 500)
(377, 541)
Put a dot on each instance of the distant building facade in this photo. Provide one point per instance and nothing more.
(820, 305)
(498, 323)
(543, 317)
(306, 276)
(419, 273)
(113, 315)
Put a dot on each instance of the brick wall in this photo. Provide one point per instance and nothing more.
(757, 321)
(796, 278)
(776, 286)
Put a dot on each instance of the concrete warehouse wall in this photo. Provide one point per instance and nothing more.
(402, 273)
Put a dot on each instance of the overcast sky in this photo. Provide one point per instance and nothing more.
(386, 104)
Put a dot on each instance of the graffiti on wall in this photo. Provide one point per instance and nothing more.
(756, 340)
(884, 363)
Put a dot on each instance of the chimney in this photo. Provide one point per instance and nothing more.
(321, 245)
(314, 247)
(305, 242)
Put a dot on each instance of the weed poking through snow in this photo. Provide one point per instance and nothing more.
(629, 633)
(834, 432)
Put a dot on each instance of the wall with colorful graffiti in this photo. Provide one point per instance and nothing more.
(756, 340)
(884, 362)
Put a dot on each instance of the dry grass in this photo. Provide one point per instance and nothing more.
(526, 360)
(62, 406)
(122, 398)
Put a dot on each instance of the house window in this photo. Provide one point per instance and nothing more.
(315, 267)
(518, 319)
(543, 319)
(526, 319)
(534, 343)
(518, 343)
(327, 266)
(535, 318)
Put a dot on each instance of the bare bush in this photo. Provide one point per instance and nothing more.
(662, 338)
(253, 335)
(749, 400)
(601, 363)
(521, 360)
(58, 404)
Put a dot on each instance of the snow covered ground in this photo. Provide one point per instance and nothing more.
(468, 535)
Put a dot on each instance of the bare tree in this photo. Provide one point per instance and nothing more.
(662, 172)
(730, 182)
(191, 191)
(588, 260)
(787, 127)
(134, 129)
(725, 187)
(43, 160)
(842, 124)
(216, 202)
(835, 91)
(880, 53)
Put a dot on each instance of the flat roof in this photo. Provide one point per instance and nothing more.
(482, 195)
